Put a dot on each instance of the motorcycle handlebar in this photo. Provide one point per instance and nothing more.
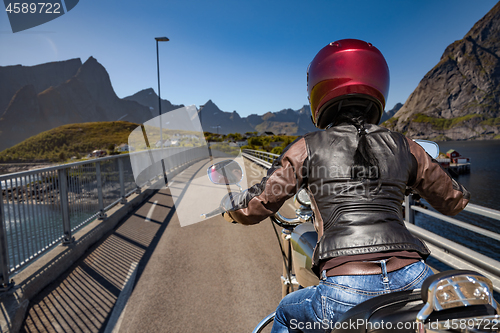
(276, 218)
(284, 221)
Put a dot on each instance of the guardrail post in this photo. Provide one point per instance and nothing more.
(4, 254)
(122, 181)
(63, 195)
(409, 213)
(101, 215)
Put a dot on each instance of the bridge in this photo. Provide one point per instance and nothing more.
(83, 248)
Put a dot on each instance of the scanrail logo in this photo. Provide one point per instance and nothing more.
(25, 15)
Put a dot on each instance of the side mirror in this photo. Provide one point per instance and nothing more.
(227, 172)
(430, 147)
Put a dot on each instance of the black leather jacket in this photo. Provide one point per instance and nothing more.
(357, 211)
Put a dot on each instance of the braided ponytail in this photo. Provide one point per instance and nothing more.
(365, 163)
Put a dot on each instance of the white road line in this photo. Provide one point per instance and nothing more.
(150, 213)
(118, 313)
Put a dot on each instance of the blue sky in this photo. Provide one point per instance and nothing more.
(248, 56)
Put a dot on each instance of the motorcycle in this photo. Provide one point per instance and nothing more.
(450, 301)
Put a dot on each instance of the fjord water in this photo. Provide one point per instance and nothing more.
(483, 183)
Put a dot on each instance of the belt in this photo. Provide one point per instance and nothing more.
(369, 267)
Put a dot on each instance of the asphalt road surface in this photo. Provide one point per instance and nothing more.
(210, 276)
(154, 275)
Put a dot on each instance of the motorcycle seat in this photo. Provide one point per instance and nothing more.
(355, 319)
(399, 308)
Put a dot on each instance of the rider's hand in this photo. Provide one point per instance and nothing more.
(228, 203)
(228, 217)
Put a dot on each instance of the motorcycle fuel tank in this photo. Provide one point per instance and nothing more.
(304, 238)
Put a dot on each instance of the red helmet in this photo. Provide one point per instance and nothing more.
(351, 71)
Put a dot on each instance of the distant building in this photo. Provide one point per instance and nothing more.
(461, 160)
(455, 157)
(444, 162)
(242, 143)
(238, 143)
(267, 134)
(123, 147)
(452, 153)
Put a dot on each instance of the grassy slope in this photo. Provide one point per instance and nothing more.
(69, 140)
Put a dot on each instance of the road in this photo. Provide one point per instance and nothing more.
(154, 275)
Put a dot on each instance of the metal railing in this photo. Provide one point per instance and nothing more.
(262, 158)
(443, 249)
(41, 208)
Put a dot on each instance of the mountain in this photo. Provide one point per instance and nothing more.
(56, 94)
(388, 114)
(294, 122)
(213, 119)
(288, 121)
(149, 98)
(38, 98)
(41, 77)
(216, 121)
(460, 97)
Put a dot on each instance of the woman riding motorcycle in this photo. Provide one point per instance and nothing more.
(356, 174)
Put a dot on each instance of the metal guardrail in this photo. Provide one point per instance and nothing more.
(444, 250)
(41, 208)
(262, 158)
(262, 155)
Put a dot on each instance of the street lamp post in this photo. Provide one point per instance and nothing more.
(160, 39)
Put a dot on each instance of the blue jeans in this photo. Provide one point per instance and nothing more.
(318, 308)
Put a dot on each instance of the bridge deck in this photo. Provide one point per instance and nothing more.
(206, 277)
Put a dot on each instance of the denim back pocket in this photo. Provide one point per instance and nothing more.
(333, 309)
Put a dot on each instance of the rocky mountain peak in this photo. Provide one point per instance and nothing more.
(149, 98)
(96, 78)
(210, 108)
(54, 94)
(306, 109)
(487, 27)
(460, 97)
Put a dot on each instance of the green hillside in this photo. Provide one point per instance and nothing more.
(65, 141)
